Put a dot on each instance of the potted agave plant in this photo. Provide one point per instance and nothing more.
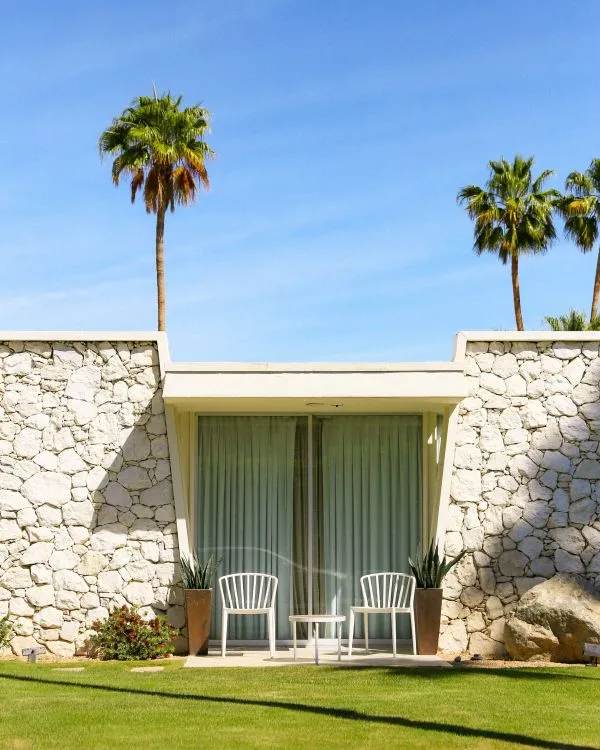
(429, 570)
(198, 579)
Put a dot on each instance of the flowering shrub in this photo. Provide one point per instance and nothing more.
(125, 635)
(5, 631)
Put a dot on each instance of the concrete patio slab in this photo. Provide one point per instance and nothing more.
(284, 657)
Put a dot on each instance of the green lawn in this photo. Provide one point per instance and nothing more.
(107, 706)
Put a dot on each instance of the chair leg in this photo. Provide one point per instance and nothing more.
(394, 634)
(224, 634)
(366, 620)
(413, 631)
(294, 637)
(350, 632)
(271, 617)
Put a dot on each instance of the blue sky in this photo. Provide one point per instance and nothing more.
(343, 132)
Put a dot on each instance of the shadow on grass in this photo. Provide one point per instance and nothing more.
(515, 673)
(338, 713)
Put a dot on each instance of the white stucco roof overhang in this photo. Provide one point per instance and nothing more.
(224, 387)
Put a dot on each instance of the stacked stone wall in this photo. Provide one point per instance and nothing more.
(525, 489)
(87, 518)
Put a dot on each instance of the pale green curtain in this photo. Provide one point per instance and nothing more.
(300, 522)
(245, 508)
(371, 496)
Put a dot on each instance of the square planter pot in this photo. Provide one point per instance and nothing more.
(198, 604)
(428, 612)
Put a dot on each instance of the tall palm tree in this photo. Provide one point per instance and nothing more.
(161, 147)
(581, 211)
(513, 216)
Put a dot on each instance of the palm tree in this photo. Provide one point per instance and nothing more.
(581, 211)
(161, 147)
(513, 216)
(574, 320)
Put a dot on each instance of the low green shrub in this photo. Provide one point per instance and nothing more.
(125, 635)
(5, 631)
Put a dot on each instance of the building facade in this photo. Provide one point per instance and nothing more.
(114, 461)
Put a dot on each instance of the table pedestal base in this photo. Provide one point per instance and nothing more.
(314, 620)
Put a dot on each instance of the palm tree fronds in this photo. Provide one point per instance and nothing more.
(572, 205)
(136, 182)
(579, 183)
(581, 207)
(583, 230)
(538, 183)
(154, 138)
(184, 185)
(574, 320)
(468, 193)
(581, 210)
(512, 214)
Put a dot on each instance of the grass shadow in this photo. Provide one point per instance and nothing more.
(339, 713)
(515, 673)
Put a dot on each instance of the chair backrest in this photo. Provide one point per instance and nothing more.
(387, 590)
(248, 590)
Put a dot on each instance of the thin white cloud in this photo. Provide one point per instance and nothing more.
(97, 42)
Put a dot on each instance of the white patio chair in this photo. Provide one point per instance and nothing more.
(248, 594)
(385, 593)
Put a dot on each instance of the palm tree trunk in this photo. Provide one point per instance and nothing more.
(594, 311)
(160, 265)
(516, 291)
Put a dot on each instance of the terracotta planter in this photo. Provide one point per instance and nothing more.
(428, 611)
(197, 609)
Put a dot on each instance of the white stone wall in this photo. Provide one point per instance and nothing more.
(525, 489)
(87, 517)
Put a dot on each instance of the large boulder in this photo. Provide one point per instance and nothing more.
(553, 620)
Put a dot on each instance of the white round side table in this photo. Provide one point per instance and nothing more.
(315, 620)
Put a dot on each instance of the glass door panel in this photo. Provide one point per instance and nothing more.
(371, 491)
(246, 473)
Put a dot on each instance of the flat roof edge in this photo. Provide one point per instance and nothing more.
(530, 335)
(205, 368)
(157, 337)
(462, 338)
(82, 335)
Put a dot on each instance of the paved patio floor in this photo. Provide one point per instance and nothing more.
(284, 657)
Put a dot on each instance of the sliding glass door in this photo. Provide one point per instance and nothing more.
(371, 475)
(245, 506)
(316, 501)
